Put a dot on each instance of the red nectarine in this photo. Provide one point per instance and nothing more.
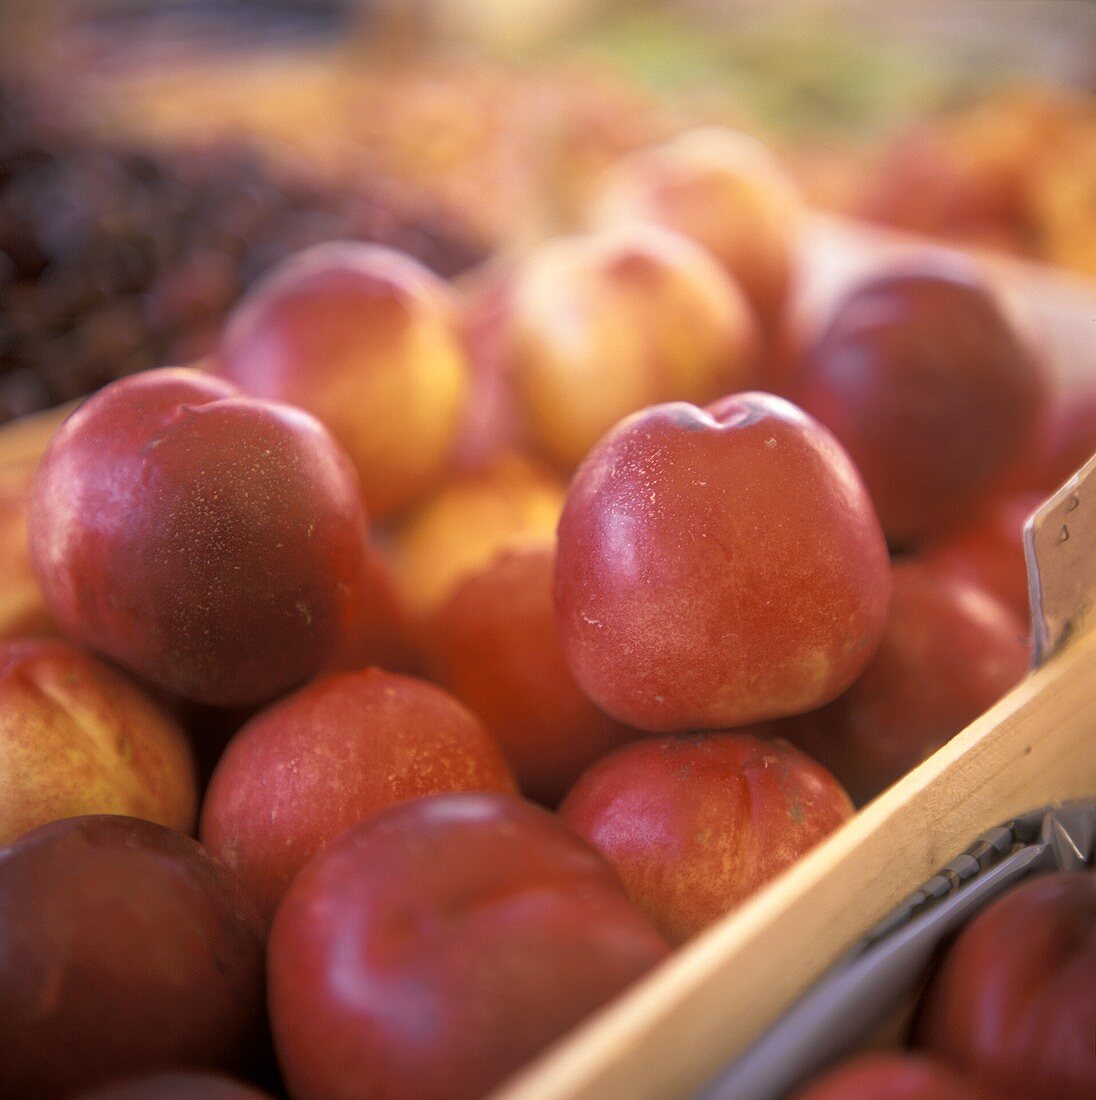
(718, 566)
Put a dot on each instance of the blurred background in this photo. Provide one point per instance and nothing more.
(156, 157)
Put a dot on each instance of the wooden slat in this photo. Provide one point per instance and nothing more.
(708, 1002)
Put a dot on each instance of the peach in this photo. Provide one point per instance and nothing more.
(433, 949)
(989, 551)
(22, 606)
(493, 643)
(950, 649)
(726, 191)
(336, 751)
(177, 1086)
(695, 824)
(366, 339)
(604, 324)
(895, 1075)
(513, 500)
(927, 379)
(1011, 1003)
(124, 949)
(718, 566)
(492, 422)
(1069, 440)
(212, 543)
(76, 738)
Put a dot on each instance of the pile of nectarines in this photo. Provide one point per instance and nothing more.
(403, 559)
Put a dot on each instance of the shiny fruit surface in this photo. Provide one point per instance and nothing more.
(695, 824)
(124, 945)
(435, 948)
(330, 754)
(718, 566)
(212, 543)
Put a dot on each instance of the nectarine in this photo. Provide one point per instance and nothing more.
(718, 566)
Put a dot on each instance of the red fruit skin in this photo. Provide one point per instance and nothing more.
(694, 825)
(491, 421)
(949, 652)
(1070, 440)
(334, 752)
(1073, 439)
(718, 567)
(211, 543)
(893, 1076)
(177, 1086)
(1013, 1003)
(990, 551)
(367, 339)
(432, 950)
(493, 643)
(124, 949)
(76, 737)
(923, 378)
(386, 636)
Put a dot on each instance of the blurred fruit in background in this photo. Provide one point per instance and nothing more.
(1015, 171)
(117, 254)
(367, 340)
(932, 383)
(989, 550)
(723, 189)
(605, 323)
(199, 143)
(23, 611)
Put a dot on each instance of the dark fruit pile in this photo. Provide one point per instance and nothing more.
(115, 258)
